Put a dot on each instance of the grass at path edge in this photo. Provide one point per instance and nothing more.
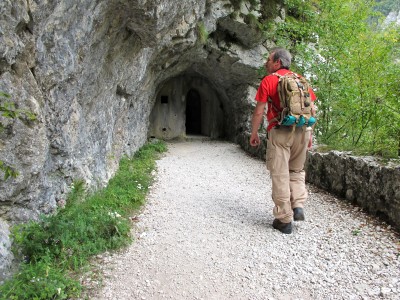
(56, 248)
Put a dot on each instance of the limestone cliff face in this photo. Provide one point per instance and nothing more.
(101, 76)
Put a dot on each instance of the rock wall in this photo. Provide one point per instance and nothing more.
(368, 182)
(92, 71)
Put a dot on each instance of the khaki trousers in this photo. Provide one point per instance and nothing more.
(286, 155)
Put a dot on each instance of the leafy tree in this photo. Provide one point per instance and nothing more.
(353, 60)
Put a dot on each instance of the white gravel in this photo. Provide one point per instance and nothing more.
(205, 233)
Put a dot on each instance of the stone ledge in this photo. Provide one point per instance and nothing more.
(364, 181)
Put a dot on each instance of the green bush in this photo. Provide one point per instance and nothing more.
(43, 280)
(202, 31)
(59, 245)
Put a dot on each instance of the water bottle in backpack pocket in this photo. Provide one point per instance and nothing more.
(301, 121)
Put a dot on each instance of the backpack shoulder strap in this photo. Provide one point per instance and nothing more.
(276, 74)
(281, 89)
(279, 111)
(269, 98)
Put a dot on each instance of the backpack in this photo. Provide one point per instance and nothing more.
(295, 100)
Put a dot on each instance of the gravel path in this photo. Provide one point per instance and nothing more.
(205, 233)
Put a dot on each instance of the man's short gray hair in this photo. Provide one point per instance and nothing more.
(283, 55)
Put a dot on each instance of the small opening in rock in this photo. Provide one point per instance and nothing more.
(164, 129)
(164, 99)
(33, 72)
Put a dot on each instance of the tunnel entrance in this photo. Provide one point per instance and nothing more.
(186, 105)
(193, 112)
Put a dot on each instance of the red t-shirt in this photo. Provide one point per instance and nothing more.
(269, 88)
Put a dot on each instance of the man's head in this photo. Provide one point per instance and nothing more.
(279, 58)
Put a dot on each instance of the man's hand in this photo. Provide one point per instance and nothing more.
(258, 114)
(254, 140)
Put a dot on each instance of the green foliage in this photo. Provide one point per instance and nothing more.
(269, 10)
(43, 280)
(252, 20)
(8, 171)
(9, 111)
(202, 31)
(352, 58)
(57, 246)
(296, 29)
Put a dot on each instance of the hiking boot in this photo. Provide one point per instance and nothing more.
(282, 227)
(298, 214)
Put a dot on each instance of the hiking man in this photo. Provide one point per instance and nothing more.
(286, 145)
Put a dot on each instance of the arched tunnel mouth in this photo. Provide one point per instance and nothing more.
(187, 105)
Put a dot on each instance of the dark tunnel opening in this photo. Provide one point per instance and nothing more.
(193, 112)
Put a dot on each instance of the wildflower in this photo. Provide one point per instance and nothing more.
(61, 203)
(114, 214)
